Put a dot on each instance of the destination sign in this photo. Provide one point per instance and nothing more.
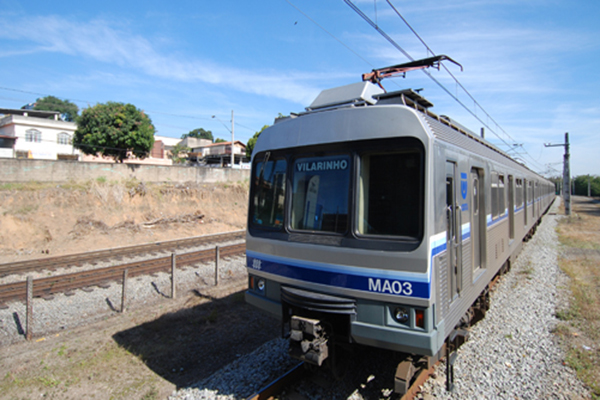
(329, 165)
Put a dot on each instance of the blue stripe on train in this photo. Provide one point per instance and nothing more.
(362, 279)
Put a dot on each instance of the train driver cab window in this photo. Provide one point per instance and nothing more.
(269, 193)
(320, 193)
(390, 194)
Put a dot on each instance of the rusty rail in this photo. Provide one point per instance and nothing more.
(53, 263)
(100, 276)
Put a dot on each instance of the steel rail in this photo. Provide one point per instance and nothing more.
(49, 286)
(276, 387)
(78, 259)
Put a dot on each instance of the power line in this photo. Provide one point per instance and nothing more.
(407, 55)
(329, 33)
(448, 71)
(148, 111)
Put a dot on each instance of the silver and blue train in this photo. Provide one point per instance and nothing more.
(374, 221)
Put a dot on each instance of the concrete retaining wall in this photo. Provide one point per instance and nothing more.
(25, 170)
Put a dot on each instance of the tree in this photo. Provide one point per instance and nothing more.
(179, 153)
(219, 140)
(114, 130)
(199, 133)
(252, 141)
(581, 185)
(68, 110)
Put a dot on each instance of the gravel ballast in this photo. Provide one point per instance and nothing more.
(511, 354)
(64, 312)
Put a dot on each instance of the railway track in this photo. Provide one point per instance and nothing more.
(53, 263)
(298, 373)
(44, 287)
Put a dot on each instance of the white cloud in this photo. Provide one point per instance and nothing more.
(101, 41)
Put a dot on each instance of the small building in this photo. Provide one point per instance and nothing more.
(218, 154)
(160, 154)
(36, 134)
(167, 144)
(7, 146)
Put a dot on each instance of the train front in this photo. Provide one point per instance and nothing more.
(337, 243)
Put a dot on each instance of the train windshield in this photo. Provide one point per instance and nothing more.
(269, 193)
(390, 194)
(320, 193)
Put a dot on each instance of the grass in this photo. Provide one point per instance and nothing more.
(579, 328)
(61, 371)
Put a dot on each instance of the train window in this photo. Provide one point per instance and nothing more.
(501, 195)
(475, 204)
(519, 192)
(269, 193)
(495, 205)
(391, 194)
(320, 193)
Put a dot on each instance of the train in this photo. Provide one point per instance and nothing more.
(374, 221)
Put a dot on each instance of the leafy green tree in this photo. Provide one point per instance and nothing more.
(179, 153)
(68, 110)
(219, 140)
(114, 130)
(199, 133)
(252, 141)
(581, 185)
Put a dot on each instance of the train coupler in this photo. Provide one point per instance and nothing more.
(308, 340)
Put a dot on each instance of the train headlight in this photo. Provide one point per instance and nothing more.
(401, 314)
(260, 285)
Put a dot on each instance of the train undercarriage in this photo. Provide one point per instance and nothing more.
(320, 338)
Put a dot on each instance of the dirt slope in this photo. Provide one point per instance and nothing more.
(39, 220)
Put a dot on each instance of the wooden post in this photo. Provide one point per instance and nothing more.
(29, 317)
(124, 293)
(217, 266)
(173, 281)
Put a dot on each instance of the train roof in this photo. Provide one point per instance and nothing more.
(367, 94)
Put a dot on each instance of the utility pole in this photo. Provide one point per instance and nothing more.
(230, 130)
(566, 173)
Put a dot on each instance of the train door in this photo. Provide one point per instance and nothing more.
(453, 231)
(511, 207)
(478, 223)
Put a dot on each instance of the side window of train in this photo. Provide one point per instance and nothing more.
(495, 205)
(518, 193)
(391, 209)
(501, 195)
(498, 195)
(269, 177)
(320, 193)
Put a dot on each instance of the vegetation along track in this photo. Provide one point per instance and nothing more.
(101, 276)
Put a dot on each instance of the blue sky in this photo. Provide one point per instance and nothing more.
(531, 65)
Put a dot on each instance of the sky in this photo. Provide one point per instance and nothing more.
(529, 67)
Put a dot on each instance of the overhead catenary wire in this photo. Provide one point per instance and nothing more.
(455, 97)
(87, 102)
(329, 33)
(475, 102)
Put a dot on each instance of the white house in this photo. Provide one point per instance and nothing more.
(37, 134)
